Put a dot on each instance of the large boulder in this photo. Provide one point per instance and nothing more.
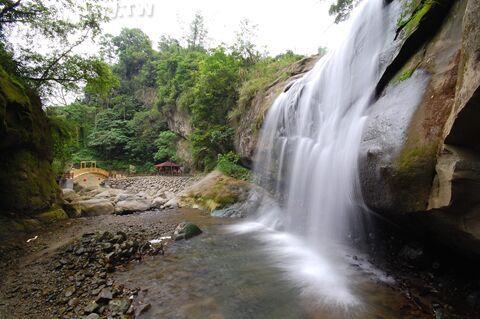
(109, 193)
(135, 205)
(420, 152)
(215, 191)
(186, 231)
(96, 207)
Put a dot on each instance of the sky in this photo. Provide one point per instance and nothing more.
(301, 26)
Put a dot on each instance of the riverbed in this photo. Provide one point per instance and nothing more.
(220, 274)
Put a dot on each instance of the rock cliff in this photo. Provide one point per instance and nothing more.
(420, 162)
(248, 129)
(27, 183)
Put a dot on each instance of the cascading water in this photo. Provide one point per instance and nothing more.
(307, 156)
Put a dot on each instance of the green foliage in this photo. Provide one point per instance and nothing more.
(176, 76)
(215, 89)
(133, 49)
(198, 33)
(207, 144)
(63, 134)
(405, 75)
(63, 25)
(166, 144)
(342, 9)
(412, 13)
(104, 82)
(244, 47)
(322, 51)
(228, 164)
(110, 135)
(262, 74)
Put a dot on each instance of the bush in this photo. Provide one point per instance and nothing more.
(260, 75)
(228, 164)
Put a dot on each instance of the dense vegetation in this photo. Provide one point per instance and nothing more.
(122, 119)
(131, 87)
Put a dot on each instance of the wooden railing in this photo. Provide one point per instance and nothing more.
(89, 170)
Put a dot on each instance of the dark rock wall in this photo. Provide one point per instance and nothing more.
(27, 183)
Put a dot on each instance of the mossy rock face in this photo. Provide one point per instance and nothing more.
(215, 191)
(52, 216)
(27, 182)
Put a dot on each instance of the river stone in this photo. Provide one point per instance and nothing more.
(96, 207)
(92, 316)
(169, 195)
(159, 202)
(142, 309)
(119, 305)
(186, 231)
(91, 307)
(124, 197)
(104, 296)
(172, 203)
(109, 193)
(137, 205)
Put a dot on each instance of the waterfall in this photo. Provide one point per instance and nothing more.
(308, 157)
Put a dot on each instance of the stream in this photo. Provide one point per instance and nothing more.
(220, 274)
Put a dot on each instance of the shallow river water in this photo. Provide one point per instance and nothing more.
(223, 275)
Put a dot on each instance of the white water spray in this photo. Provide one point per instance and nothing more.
(308, 155)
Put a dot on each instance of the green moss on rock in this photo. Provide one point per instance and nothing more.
(52, 215)
(27, 182)
(215, 191)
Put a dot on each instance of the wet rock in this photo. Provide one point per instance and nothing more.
(473, 299)
(119, 305)
(91, 308)
(142, 309)
(104, 296)
(411, 252)
(186, 231)
(438, 311)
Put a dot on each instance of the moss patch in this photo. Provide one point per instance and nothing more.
(404, 76)
(27, 182)
(52, 216)
(412, 14)
(215, 191)
(12, 89)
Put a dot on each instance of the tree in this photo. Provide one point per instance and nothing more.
(104, 82)
(198, 33)
(341, 9)
(215, 89)
(322, 51)
(166, 146)
(64, 25)
(145, 128)
(244, 46)
(133, 49)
